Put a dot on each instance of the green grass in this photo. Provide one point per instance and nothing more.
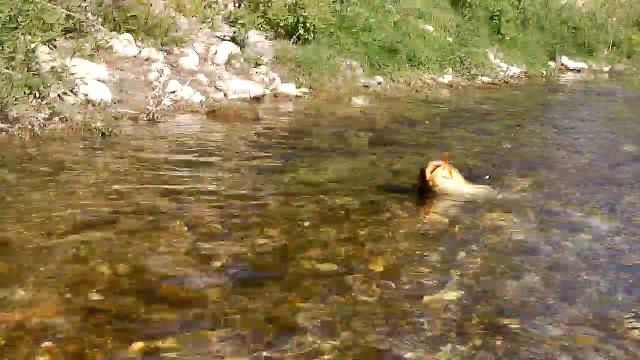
(386, 37)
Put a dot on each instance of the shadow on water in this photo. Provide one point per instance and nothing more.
(300, 234)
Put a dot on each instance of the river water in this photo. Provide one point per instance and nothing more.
(298, 235)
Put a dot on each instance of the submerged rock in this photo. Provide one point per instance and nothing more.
(359, 101)
(286, 89)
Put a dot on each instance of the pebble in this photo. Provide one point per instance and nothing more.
(136, 348)
(94, 296)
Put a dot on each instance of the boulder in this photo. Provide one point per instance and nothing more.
(177, 91)
(573, 65)
(124, 45)
(85, 69)
(190, 61)
(202, 79)
(223, 51)
(173, 86)
(94, 91)
(151, 54)
(286, 89)
(241, 89)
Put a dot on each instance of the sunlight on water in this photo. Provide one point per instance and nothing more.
(300, 235)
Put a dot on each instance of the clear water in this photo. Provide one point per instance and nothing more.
(299, 235)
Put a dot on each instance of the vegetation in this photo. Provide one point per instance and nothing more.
(390, 37)
(396, 38)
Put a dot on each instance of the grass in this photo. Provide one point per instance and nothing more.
(387, 37)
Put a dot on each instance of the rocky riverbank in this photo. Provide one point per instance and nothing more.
(126, 77)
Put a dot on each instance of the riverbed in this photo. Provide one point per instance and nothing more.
(297, 234)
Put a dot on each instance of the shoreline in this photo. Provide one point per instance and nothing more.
(123, 77)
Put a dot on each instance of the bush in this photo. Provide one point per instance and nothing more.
(290, 20)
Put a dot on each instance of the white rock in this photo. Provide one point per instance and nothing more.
(428, 28)
(504, 68)
(368, 83)
(153, 76)
(199, 48)
(485, 80)
(218, 96)
(573, 65)
(286, 89)
(223, 51)
(94, 91)
(241, 88)
(186, 92)
(85, 69)
(159, 66)
(261, 74)
(378, 79)
(445, 79)
(359, 101)
(202, 79)
(197, 98)
(303, 91)
(173, 86)
(47, 59)
(190, 61)
(124, 45)
(151, 54)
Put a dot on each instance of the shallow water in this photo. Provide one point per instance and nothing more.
(299, 236)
